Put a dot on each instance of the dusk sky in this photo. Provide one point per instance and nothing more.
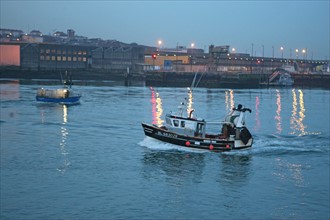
(290, 24)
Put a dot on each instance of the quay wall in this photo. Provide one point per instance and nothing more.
(230, 80)
(170, 79)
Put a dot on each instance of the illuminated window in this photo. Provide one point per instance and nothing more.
(53, 58)
(64, 58)
(58, 58)
(84, 59)
(69, 58)
(79, 59)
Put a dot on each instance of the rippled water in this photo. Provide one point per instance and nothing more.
(92, 161)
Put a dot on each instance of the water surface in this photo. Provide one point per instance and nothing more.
(92, 161)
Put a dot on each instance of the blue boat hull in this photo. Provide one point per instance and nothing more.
(68, 100)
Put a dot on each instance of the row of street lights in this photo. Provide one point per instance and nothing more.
(233, 50)
(303, 51)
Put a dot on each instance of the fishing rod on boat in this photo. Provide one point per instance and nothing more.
(193, 86)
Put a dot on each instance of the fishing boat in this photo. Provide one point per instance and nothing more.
(280, 77)
(65, 95)
(188, 131)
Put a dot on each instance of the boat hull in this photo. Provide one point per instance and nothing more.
(68, 100)
(213, 144)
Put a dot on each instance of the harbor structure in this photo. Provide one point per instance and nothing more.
(105, 58)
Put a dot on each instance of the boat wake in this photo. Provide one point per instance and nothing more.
(266, 145)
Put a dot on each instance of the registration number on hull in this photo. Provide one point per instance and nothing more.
(164, 134)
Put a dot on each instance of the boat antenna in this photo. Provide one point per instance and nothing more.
(199, 79)
(193, 82)
(193, 85)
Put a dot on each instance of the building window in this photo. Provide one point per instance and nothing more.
(53, 50)
(47, 57)
(74, 58)
(47, 51)
(58, 58)
(79, 59)
(42, 57)
(53, 58)
(59, 51)
(84, 59)
(64, 58)
(69, 58)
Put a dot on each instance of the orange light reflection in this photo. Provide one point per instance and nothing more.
(297, 119)
(157, 109)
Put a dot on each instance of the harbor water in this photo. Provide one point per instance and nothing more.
(93, 161)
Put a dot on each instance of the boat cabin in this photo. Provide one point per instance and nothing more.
(185, 126)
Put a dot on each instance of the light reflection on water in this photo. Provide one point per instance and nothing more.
(63, 148)
(157, 109)
(297, 119)
(278, 112)
(257, 119)
(229, 100)
(47, 110)
(190, 102)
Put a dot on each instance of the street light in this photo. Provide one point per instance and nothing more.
(159, 44)
(304, 52)
(297, 53)
(233, 50)
(282, 48)
(192, 45)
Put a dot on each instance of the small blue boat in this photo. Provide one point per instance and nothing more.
(46, 95)
(63, 95)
